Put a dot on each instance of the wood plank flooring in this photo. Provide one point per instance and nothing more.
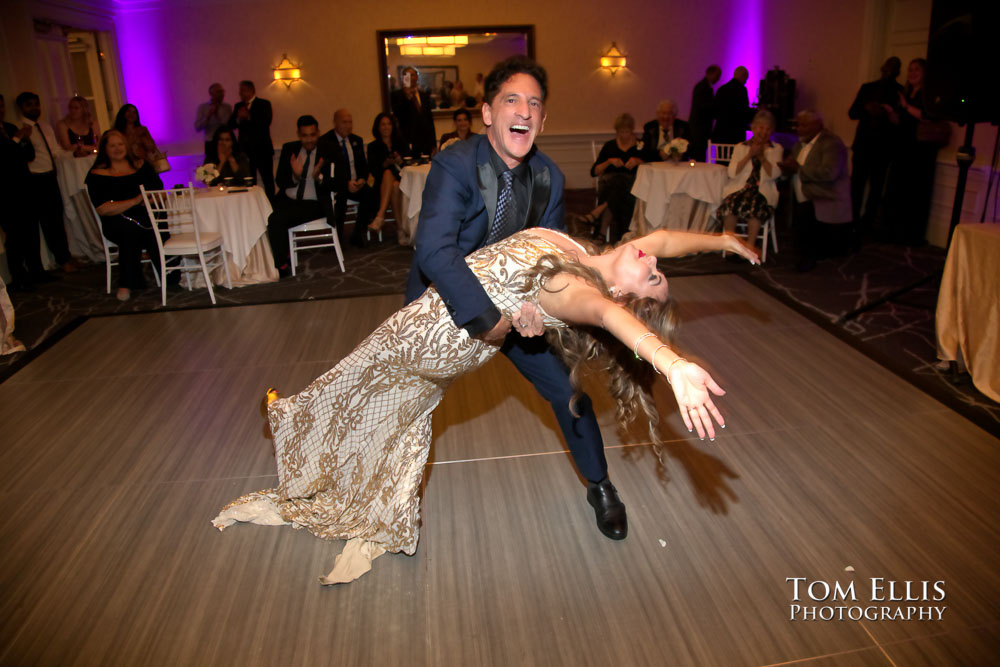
(123, 441)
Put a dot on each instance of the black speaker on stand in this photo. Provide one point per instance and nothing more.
(959, 86)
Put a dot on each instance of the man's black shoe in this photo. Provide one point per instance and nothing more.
(610, 511)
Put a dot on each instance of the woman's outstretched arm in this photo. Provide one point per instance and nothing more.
(667, 243)
(575, 301)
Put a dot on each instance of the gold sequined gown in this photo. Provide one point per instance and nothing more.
(351, 447)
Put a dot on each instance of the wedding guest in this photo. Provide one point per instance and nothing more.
(615, 169)
(113, 184)
(212, 115)
(659, 132)
(458, 95)
(702, 102)
(751, 193)
(385, 157)
(477, 91)
(462, 131)
(140, 141)
(345, 153)
(16, 219)
(412, 107)
(732, 109)
(252, 121)
(43, 186)
(231, 163)
(78, 130)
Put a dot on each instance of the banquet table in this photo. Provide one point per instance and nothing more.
(240, 215)
(411, 184)
(82, 233)
(672, 195)
(968, 309)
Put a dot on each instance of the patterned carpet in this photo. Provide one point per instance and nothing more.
(899, 335)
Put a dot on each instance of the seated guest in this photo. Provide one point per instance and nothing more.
(385, 156)
(140, 142)
(303, 192)
(751, 194)
(463, 129)
(78, 131)
(818, 168)
(231, 163)
(345, 153)
(113, 183)
(659, 132)
(615, 169)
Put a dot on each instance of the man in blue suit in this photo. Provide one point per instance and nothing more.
(479, 192)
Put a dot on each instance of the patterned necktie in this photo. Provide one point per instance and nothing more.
(505, 204)
(302, 179)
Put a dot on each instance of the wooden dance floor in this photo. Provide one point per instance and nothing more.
(123, 441)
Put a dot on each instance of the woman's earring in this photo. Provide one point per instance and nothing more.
(615, 292)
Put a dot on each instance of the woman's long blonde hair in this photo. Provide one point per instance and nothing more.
(582, 348)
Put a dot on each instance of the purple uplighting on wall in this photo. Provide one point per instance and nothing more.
(744, 43)
(142, 52)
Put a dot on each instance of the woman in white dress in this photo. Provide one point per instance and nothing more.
(352, 446)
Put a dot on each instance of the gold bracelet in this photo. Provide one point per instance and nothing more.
(652, 359)
(635, 348)
(667, 374)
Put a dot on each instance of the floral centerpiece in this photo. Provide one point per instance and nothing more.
(206, 173)
(675, 149)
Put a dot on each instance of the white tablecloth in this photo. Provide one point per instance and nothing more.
(83, 236)
(241, 218)
(411, 184)
(676, 196)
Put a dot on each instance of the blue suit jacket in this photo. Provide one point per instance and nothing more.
(459, 205)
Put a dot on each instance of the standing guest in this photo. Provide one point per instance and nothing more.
(702, 103)
(230, 162)
(412, 107)
(874, 141)
(140, 141)
(16, 218)
(385, 157)
(303, 192)
(659, 132)
(462, 131)
(477, 91)
(732, 109)
(345, 153)
(252, 120)
(78, 131)
(751, 193)
(615, 169)
(911, 179)
(482, 191)
(212, 115)
(458, 95)
(43, 186)
(113, 184)
(818, 169)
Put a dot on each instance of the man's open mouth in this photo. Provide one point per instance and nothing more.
(520, 129)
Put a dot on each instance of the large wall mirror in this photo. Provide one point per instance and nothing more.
(448, 60)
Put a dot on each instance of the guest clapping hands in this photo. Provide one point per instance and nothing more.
(225, 154)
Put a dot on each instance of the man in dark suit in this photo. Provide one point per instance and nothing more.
(21, 228)
(659, 132)
(252, 121)
(459, 215)
(873, 141)
(822, 191)
(303, 192)
(412, 107)
(700, 120)
(348, 170)
(732, 109)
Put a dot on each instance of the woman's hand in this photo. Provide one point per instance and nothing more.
(633, 162)
(693, 388)
(732, 243)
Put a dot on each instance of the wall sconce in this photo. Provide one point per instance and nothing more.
(613, 60)
(287, 72)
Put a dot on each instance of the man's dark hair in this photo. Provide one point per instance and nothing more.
(462, 112)
(306, 121)
(504, 70)
(249, 84)
(26, 97)
(713, 69)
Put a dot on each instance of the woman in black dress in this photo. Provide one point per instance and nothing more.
(78, 131)
(385, 156)
(113, 183)
(615, 169)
